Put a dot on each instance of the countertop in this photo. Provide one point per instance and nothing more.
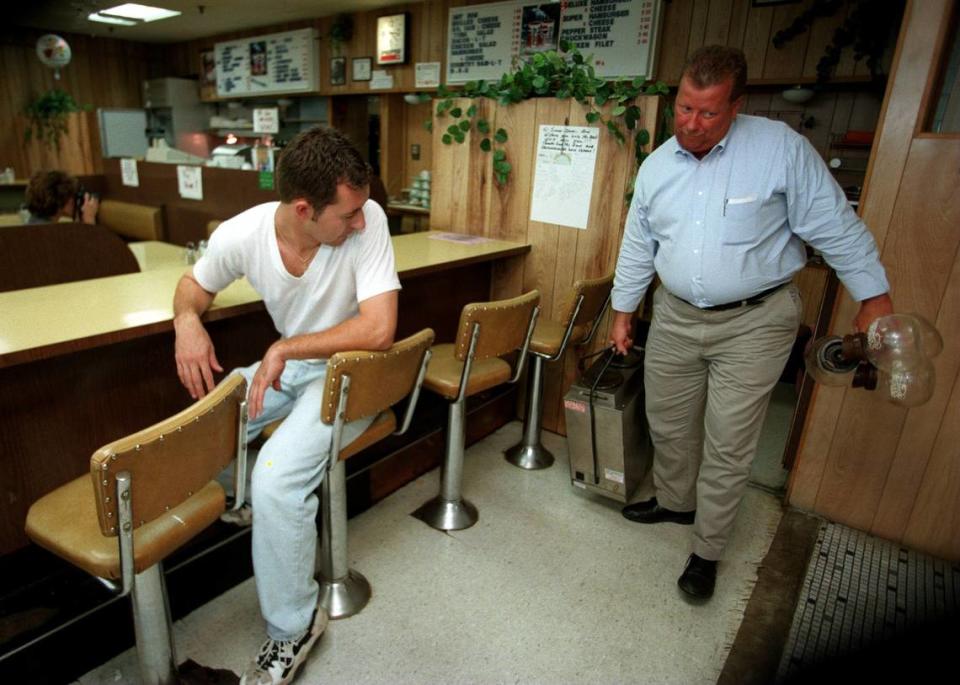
(38, 323)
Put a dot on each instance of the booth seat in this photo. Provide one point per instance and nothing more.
(130, 220)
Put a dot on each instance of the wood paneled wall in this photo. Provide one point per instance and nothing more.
(690, 24)
(864, 462)
(466, 200)
(103, 72)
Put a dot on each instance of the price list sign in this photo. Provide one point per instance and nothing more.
(275, 63)
(485, 41)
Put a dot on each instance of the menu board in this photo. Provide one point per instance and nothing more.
(485, 41)
(276, 63)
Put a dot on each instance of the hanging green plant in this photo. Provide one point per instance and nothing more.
(563, 75)
(47, 117)
(341, 31)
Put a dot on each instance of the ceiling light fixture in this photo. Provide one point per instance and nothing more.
(111, 20)
(135, 12)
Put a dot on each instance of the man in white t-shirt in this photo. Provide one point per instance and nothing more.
(323, 263)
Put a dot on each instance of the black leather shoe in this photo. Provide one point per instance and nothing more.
(651, 512)
(698, 578)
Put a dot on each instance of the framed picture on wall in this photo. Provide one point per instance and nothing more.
(392, 39)
(361, 68)
(338, 71)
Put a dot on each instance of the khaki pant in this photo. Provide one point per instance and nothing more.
(708, 377)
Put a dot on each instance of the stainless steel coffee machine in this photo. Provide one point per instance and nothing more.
(607, 434)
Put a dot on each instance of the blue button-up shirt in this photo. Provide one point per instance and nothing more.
(731, 225)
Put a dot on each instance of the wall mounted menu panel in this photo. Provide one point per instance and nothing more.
(485, 41)
(266, 65)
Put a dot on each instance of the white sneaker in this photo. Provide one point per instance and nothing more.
(278, 660)
(242, 517)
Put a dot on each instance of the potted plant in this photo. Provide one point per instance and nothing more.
(341, 31)
(47, 117)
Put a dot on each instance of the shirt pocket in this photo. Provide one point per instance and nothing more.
(740, 217)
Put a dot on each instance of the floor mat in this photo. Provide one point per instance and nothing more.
(869, 607)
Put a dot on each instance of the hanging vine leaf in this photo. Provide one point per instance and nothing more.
(565, 74)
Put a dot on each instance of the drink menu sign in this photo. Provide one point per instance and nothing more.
(485, 41)
(275, 63)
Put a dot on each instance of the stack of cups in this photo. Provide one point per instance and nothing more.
(420, 190)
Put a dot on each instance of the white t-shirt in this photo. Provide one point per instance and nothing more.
(329, 291)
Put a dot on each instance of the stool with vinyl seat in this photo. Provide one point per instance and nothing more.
(147, 495)
(361, 384)
(487, 331)
(577, 325)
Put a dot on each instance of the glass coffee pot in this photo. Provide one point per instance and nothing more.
(894, 356)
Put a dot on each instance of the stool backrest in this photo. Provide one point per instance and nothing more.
(378, 380)
(171, 460)
(595, 292)
(504, 325)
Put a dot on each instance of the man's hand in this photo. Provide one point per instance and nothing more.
(872, 309)
(267, 376)
(195, 356)
(620, 332)
(88, 212)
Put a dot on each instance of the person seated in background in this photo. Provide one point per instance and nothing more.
(54, 194)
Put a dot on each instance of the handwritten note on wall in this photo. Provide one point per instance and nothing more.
(563, 184)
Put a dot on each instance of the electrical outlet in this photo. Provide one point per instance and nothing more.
(415, 151)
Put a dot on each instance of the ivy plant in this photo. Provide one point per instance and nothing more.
(47, 117)
(561, 74)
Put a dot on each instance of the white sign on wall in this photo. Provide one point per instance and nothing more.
(128, 172)
(486, 41)
(275, 63)
(427, 74)
(266, 120)
(563, 184)
(190, 182)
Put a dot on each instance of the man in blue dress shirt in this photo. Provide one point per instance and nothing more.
(720, 213)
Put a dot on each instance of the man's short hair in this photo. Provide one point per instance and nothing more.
(712, 65)
(315, 163)
(49, 191)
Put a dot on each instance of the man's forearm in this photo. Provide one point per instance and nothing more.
(352, 334)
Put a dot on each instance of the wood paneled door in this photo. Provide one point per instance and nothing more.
(865, 463)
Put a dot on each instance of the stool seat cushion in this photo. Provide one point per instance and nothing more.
(444, 371)
(382, 426)
(65, 522)
(548, 335)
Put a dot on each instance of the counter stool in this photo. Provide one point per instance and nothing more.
(154, 491)
(360, 384)
(487, 330)
(577, 326)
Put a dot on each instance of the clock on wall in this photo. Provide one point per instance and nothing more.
(392, 39)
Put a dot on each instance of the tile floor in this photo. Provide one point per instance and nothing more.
(551, 586)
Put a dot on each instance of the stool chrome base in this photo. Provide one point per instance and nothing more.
(529, 457)
(344, 597)
(443, 515)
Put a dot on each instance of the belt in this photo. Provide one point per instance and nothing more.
(755, 299)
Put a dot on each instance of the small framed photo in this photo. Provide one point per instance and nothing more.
(361, 68)
(338, 71)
